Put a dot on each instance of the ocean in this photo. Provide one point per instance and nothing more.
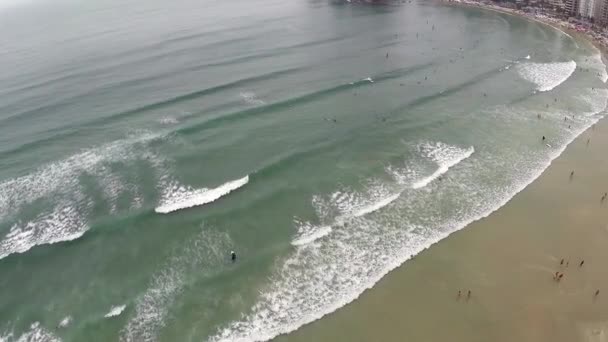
(324, 142)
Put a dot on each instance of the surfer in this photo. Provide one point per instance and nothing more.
(233, 256)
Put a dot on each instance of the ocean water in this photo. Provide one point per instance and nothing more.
(325, 142)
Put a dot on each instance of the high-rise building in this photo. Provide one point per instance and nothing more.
(586, 8)
(571, 7)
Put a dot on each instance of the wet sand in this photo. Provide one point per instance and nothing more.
(508, 261)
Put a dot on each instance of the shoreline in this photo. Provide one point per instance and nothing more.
(560, 25)
(377, 297)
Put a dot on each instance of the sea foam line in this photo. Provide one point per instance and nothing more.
(546, 76)
(443, 168)
(287, 304)
(179, 197)
(115, 311)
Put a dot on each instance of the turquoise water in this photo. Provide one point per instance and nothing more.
(324, 142)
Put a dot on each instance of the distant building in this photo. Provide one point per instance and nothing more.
(601, 12)
(571, 7)
(587, 8)
(556, 4)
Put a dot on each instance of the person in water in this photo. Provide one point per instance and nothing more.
(544, 138)
(233, 256)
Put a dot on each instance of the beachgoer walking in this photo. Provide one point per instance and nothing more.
(581, 264)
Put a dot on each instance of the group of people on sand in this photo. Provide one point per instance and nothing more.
(559, 275)
(460, 295)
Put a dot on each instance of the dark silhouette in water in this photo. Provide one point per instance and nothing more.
(233, 256)
(544, 138)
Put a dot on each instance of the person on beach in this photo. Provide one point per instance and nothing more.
(233, 256)
(588, 140)
(469, 295)
(597, 292)
(538, 116)
(572, 174)
(560, 276)
(581, 264)
(556, 275)
(459, 294)
(387, 55)
(561, 262)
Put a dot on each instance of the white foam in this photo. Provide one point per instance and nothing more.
(383, 202)
(251, 98)
(36, 333)
(596, 64)
(58, 183)
(308, 233)
(63, 224)
(445, 156)
(320, 277)
(168, 120)
(65, 322)
(527, 57)
(179, 197)
(369, 79)
(546, 76)
(115, 311)
(203, 255)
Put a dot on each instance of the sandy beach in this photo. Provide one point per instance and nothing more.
(507, 261)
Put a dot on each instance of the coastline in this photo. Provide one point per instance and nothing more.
(507, 260)
(557, 24)
(477, 251)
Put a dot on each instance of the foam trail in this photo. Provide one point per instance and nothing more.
(369, 79)
(36, 333)
(179, 197)
(251, 98)
(375, 206)
(202, 256)
(308, 233)
(64, 322)
(447, 157)
(63, 224)
(115, 311)
(59, 184)
(546, 76)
